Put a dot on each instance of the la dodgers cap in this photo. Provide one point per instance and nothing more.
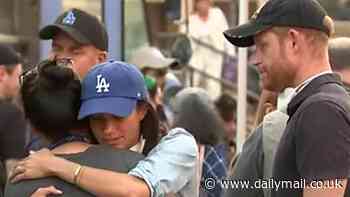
(291, 13)
(81, 26)
(112, 87)
(8, 56)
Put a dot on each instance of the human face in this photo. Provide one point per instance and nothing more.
(203, 6)
(119, 132)
(271, 60)
(10, 81)
(230, 129)
(83, 56)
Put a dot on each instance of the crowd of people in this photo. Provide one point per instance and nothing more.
(103, 124)
(80, 124)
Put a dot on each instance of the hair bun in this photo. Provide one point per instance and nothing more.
(57, 76)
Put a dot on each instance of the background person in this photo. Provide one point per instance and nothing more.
(195, 112)
(205, 26)
(255, 162)
(13, 127)
(226, 106)
(339, 57)
(155, 67)
(80, 36)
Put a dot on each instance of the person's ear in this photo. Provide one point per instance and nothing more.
(294, 39)
(269, 107)
(2, 72)
(102, 56)
(142, 111)
(52, 56)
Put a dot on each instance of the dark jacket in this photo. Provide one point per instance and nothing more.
(101, 156)
(316, 142)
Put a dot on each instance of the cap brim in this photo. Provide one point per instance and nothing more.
(117, 106)
(156, 63)
(48, 32)
(163, 63)
(243, 35)
(172, 64)
(175, 65)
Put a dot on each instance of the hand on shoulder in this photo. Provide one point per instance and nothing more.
(71, 148)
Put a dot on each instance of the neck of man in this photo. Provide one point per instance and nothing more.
(308, 69)
(3, 96)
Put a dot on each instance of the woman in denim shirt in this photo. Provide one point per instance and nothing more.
(115, 101)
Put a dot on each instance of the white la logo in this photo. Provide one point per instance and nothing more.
(69, 19)
(101, 83)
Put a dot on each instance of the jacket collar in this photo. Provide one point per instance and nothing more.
(311, 89)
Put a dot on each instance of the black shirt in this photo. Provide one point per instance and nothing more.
(249, 167)
(316, 143)
(12, 131)
(101, 156)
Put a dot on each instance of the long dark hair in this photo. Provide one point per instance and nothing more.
(149, 128)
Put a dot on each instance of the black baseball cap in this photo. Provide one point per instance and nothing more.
(8, 56)
(290, 13)
(81, 26)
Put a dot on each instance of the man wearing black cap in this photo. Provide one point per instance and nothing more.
(291, 38)
(80, 36)
(12, 122)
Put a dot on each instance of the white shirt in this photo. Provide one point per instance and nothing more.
(306, 82)
(171, 166)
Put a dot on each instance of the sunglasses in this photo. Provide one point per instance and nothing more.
(35, 70)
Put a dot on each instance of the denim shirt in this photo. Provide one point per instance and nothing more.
(171, 166)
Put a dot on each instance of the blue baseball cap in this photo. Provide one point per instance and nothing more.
(112, 87)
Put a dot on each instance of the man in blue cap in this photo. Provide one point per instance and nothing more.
(291, 38)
